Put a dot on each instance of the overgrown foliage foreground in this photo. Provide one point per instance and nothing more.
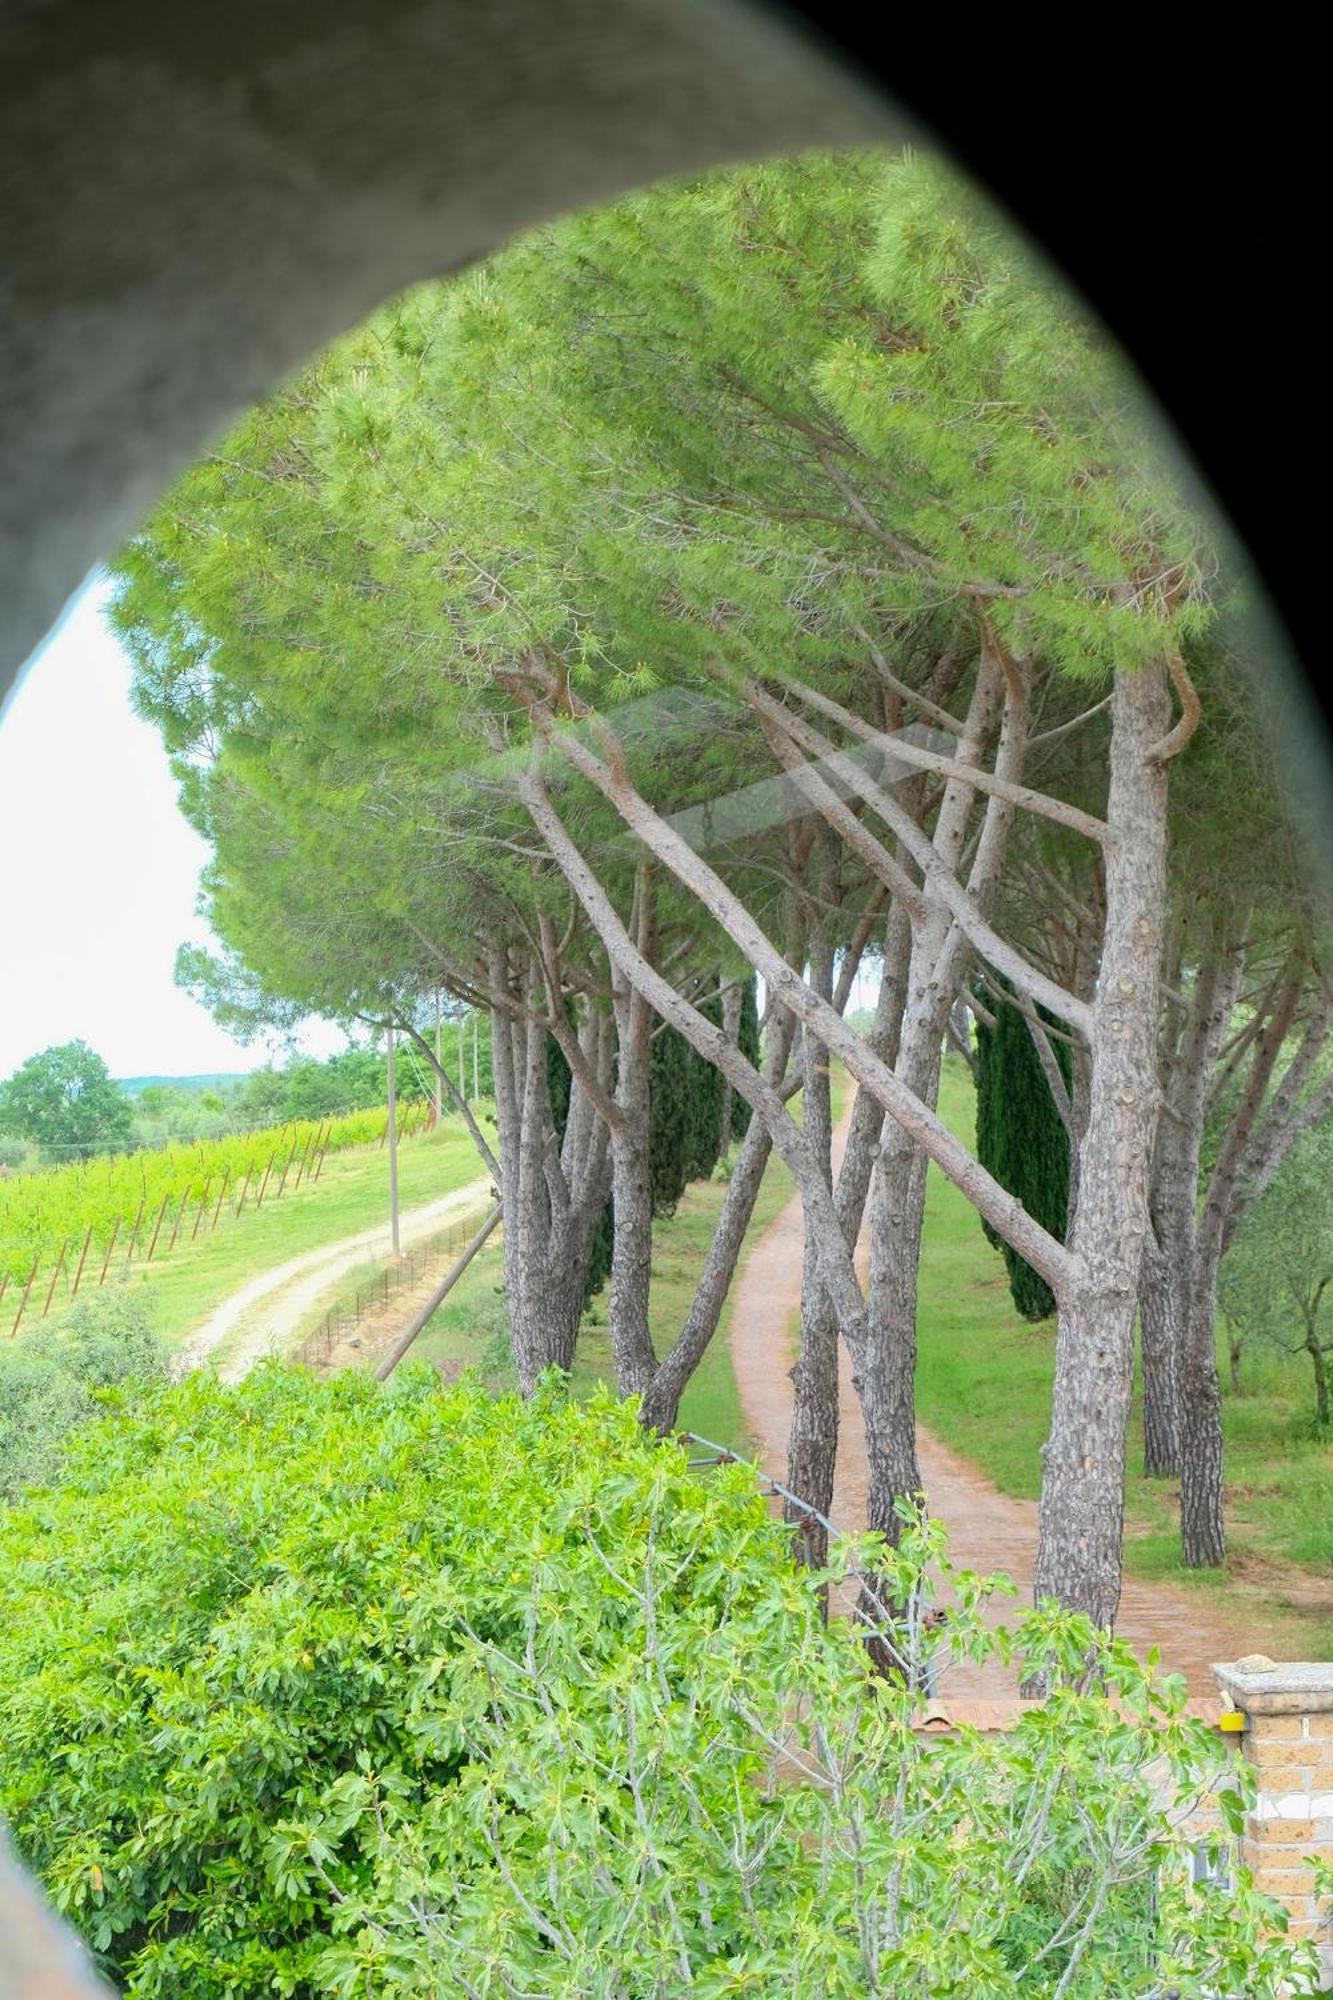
(106, 1350)
(321, 1688)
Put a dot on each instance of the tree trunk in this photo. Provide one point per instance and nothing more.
(632, 1205)
(1235, 1342)
(898, 1189)
(661, 1403)
(1203, 1541)
(1320, 1377)
(1159, 1345)
(547, 1232)
(1083, 1487)
(631, 1175)
(767, 1103)
(1171, 1250)
(812, 1445)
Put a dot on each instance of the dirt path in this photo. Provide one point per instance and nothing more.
(265, 1314)
(988, 1530)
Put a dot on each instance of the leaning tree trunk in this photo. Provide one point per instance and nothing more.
(887, 1389)
(1083, 1488)
(661, 1402)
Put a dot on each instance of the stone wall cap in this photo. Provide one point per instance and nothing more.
(1278, 1687)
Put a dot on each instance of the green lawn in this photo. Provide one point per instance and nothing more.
(351, 1194)
(984, 1386)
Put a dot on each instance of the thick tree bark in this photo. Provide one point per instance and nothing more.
(812, 1444)
(1202, 1494)
(1159, 1347)
(549, 1222)
(1082, 1500)
(631, 1174)
(1169, 1252)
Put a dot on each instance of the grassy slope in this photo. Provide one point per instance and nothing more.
(984, 1384)
(351, 1194)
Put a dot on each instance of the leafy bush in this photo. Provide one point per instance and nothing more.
(50, 1383)
(318, 1688)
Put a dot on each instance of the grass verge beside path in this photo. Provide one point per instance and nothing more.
(351, 1194)
(984, 1386)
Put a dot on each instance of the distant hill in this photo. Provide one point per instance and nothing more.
(134, 1084)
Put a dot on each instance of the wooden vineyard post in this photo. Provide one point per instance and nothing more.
(106, 1261)
(83, 1258)
(305, 1159)
(55, 1275)
(222, 1196)
(267, 1171)
(134, 1233)
(203, 1208)
(26, 1289)
(245, 1189)
(287, 1169)
(4, 1287)
(180, 1217)
(157, 1226)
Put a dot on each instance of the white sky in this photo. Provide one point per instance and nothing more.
(99, 871)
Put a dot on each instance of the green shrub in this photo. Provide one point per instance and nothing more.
(51, 1382)
(320, 1688)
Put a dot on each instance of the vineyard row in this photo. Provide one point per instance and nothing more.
(85, 1222)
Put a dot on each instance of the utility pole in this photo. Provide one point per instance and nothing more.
(476, 1073)
(393, 1144)
(462, 1057)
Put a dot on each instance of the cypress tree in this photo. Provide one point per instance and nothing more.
(748, 1041)
(1021, 1138)
(686, 1114)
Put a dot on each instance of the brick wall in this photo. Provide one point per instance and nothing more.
(1288, 1741)
(1279, 1718)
